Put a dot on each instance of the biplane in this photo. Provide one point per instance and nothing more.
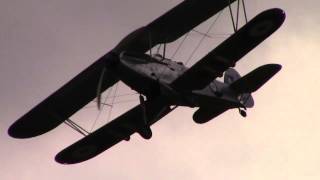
(162, 83)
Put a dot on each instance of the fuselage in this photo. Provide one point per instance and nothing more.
(152, 76)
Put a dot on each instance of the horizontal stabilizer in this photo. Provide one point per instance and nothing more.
(255, 79)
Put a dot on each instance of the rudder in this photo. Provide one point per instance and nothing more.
(231, 75)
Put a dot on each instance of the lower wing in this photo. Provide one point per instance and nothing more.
(112, 133)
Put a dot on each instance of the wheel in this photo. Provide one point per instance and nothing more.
(243, 113)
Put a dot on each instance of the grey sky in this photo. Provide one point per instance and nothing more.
(43, 44)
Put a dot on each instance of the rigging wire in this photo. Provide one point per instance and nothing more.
(220, 34)
(180, 45)
(235, 23)
(125, 101)
(112, 102)
(201, 33)
(76, 127)
(100, 111)
(203, 37)
(238, 7)
(122, 95)
(117, 96)
(232, 18)
(244, 11)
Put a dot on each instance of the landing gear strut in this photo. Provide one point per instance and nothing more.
(145, 130)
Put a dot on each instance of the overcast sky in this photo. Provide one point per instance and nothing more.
(43, 44)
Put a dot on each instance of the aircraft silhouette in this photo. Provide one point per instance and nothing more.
(163, 84)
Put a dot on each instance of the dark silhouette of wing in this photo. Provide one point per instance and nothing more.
(112, 133)
(63, 103)
(172, 25)
(230, 51)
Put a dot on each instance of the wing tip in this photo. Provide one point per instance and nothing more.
(274, 68)
(22, 130)
(13, 133)
(16, 131)
(61, 158)
(74, 154)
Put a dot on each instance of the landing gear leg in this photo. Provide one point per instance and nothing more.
(143, 107)
(145, 130)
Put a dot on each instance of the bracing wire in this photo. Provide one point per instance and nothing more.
(76, 127)
(100, 111)
(180, 45)
(238, 7)
(235, 23)
(112, 102)
(203, 38)
(201, 33)
(232, 18)
(122, 95)
(117, 102)
(125, 101)
(244, 11)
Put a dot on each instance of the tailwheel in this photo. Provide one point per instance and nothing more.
(243, 112)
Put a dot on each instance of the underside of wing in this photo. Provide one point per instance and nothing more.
(63, 103)
(172, 25)
(230, 51)
(112, 133)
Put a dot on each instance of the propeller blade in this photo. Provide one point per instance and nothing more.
(99, 88)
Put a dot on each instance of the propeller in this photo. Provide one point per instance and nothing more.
(99, 88)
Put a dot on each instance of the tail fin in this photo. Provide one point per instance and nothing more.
(231, 75)
(255, 79)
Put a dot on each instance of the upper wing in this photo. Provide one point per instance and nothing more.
(112, 133)
(172, 25)
(230, 51)
(63, 103)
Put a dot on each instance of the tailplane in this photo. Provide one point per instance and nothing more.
(255, 79)
(230, 77)
(251, 82)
